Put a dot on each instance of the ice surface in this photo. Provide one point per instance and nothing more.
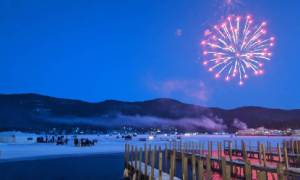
(109, 144)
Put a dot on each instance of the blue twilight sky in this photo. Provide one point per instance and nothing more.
(139, 49)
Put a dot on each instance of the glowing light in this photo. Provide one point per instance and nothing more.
(187, 134)
(261, 71)
(237, 47)
(178, 32)
(151, 137)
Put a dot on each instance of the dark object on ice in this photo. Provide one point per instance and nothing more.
(142, 139)
(61, 140)
(42, 140)
(76, 141)
(87, 142)
(29, 139)
(127, 137)
(84, 142)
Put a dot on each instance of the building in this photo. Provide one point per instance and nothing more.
(7, 137)
(296, 132)
(261, 131)
(17, 137)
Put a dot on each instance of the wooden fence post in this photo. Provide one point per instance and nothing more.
(172, 160)
(174, 168)
(132, 155)
(280, 174)
(230, 150)
(136, 158)
(125, 155)
(182, 162)
(286, 160)
(228, 172)
(146, 159)
(166, 158)
(260, 154)
(219, 150)
(248, 174)
(223, 166)
(152, 164)
(264, 154)
(200, 170)
(184, 168)
(194, 166)
(279, 153)
(262, 175)
(208, 163)
(160, 166)
(292, 147)
(140, 163)
(244, 151)
(211, 148)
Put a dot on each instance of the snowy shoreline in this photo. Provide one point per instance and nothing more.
(107, 144)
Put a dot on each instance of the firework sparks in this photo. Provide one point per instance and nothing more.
(229, 6)
(237, 48)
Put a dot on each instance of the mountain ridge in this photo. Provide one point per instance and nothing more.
(34, 112)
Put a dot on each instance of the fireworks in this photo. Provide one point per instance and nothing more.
(231, 2)
(237, 48)
(228, 6)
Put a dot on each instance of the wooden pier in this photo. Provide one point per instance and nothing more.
(190, 160)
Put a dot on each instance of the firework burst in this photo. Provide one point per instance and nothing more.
(237, 48)
(229, 6)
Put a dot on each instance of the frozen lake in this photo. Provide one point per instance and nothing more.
(23, 150)
(29, 160)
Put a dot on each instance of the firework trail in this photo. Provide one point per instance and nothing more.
(237, 48)
(226, 7)
(231, 5)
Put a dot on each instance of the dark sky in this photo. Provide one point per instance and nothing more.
(140, 49)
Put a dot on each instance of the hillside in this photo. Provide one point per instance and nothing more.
(38, 112)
